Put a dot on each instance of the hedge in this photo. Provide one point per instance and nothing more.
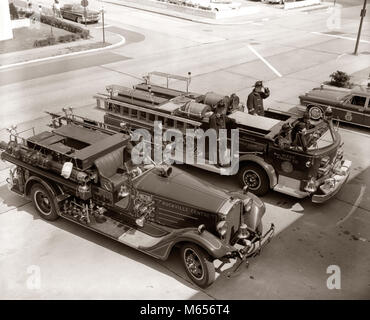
(61, 24)
(187, 4)
(45, 42)
(52, 40)
(77, 32)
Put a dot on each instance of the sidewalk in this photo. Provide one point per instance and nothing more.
(250, 10)
(82, 46)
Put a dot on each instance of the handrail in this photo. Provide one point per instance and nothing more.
(169, 76)
(151, 111)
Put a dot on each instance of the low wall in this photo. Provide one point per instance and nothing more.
(21, 23)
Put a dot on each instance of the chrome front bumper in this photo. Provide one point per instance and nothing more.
(334, 183)
(247, 252)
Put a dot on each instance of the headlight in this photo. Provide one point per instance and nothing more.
(324, 161)
(222, 228)
(248, 205)
(311, 186)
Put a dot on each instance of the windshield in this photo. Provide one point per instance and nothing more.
(321, 136)
(323, 141)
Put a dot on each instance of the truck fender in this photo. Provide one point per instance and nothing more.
(206, 240)
(52, 189)
(269, 169)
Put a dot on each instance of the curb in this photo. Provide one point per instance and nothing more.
(123, 40)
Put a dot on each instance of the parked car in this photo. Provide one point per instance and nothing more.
(351, 106)
(76, 12)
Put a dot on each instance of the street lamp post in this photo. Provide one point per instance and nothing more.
(363, 13)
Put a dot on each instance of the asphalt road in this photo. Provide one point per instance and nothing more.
(77, 263)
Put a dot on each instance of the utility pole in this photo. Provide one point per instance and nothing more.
(85, 14)
(363, 13)
(102, 17)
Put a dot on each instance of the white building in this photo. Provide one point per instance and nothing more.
(6, 31)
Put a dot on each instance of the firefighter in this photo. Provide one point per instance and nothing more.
(284, 138)
(255, 99)
(218, 121)
(299, 130)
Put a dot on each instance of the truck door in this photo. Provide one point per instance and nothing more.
(367, 113)
(290, 163)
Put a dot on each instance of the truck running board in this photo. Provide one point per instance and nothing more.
(120, 232)
(290, 187)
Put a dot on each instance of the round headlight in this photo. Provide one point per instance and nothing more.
(222, 228)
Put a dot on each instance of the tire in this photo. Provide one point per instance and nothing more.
(256, 179)
(198, 265)
(315, 112)
(79, 20)
(43, 202)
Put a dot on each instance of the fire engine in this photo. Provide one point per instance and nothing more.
(82, 171)
(285, 152)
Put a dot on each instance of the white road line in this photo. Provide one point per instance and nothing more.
(339, 37)
(354, 206)
(123, 40)
(105, 26)
(265, 61)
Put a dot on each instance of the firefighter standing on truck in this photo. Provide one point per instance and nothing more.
(255, 99)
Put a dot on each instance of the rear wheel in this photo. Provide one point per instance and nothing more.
(315, 112)
(43, 202)
(198, 265)
(255, 178)
(79, 20)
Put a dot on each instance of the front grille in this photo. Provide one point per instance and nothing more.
(233, 219)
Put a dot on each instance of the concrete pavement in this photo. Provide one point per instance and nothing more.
(310, 237)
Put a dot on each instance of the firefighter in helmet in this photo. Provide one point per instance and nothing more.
(255, 99)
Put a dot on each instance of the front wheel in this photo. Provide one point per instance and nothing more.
(198, 265)
(315, 112)
(255, 178)
(79, 20)
(43, 202)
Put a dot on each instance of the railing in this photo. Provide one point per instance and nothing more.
(57, 121)
(137, 113)
(15, 136)
(169, 76)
